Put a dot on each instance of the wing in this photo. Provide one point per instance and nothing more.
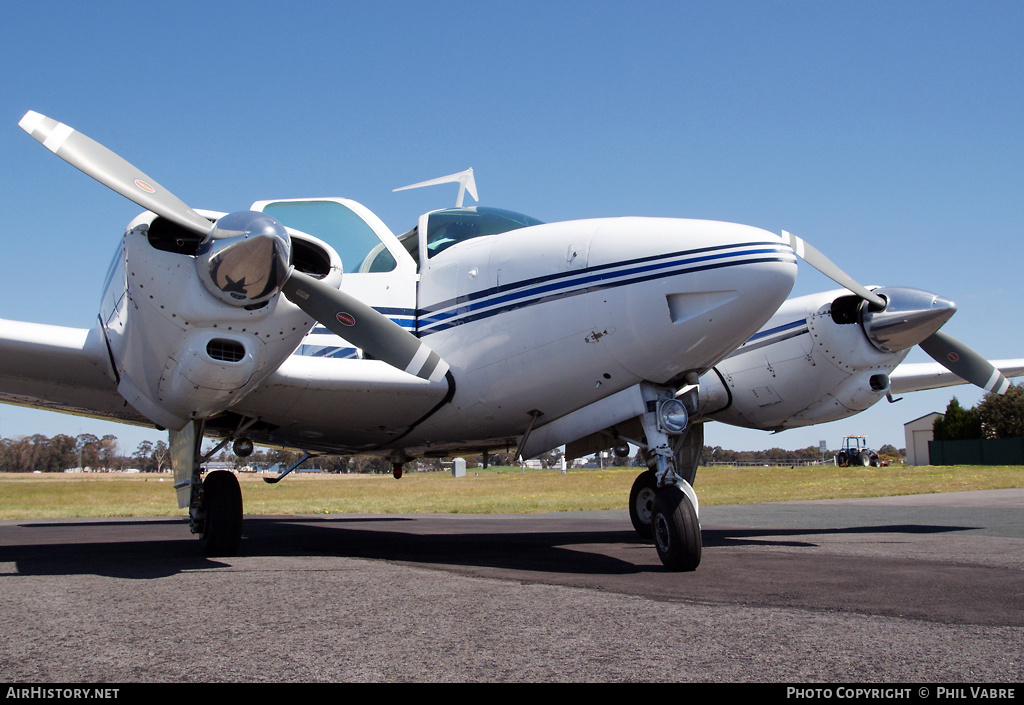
(335, 404)
(61, 369)
(931, 375)
(309, 401)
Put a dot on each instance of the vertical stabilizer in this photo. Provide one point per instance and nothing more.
(464, 179)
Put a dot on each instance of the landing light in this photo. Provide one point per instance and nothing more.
(672, 416)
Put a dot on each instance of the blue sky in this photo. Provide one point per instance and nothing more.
(888, 134)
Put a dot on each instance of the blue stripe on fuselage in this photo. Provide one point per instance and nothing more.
(530, 292)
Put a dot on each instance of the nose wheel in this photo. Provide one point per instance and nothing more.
(676, 529)
(641, 503)
(666, 515)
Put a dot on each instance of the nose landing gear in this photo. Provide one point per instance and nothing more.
(662, 503)
(214, 502)
(641, 503)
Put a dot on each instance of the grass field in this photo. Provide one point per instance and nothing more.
(511, 490)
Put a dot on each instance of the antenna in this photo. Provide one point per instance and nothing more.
(464, 179)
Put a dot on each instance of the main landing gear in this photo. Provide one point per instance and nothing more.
(220, 509)
(662, 503)
(214, 502)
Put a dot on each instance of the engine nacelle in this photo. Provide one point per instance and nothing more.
(156, 300)
(812, 363)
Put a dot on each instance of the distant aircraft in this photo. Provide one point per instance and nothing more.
(478, 329)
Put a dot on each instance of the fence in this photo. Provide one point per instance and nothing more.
(773, 463)
(995, 451)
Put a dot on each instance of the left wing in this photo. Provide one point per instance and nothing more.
(309, 401)
(915, 377)
(61, 369)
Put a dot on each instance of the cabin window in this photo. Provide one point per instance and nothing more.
(341, 228)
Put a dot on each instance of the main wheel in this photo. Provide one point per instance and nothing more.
(222, 510)
(676, 530)
(641, 503)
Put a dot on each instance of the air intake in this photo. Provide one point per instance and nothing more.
(224, 350)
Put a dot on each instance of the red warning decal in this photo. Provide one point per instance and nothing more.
(952, 357)
(144, 186)
(346, 319)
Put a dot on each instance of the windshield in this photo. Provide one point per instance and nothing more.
(452, 225)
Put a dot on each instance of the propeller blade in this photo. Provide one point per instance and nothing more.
(964, 362)
(359, 324)
(823, 264)
(111, 170)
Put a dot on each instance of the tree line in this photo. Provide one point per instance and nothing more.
(39, 453)
(102, 454)
(62, 452)
(994, 416)
(710, 456)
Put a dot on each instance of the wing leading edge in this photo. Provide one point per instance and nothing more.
(916, 377)
(61, 369)
(312, 401)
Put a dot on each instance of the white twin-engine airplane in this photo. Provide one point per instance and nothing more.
(478, 329)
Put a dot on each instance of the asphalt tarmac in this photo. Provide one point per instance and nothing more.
(921, 589)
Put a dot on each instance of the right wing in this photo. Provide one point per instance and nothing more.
(917, 376)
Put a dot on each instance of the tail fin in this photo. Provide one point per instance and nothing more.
(464, 179)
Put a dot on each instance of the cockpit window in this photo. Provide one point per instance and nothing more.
(452, 225)
(340, 227)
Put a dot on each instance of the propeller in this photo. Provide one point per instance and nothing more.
(896, 319)
(244, 256)
(823, 264)
(964, 362)
(111, 170)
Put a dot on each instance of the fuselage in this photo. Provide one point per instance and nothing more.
(534, 321)
(555, 317)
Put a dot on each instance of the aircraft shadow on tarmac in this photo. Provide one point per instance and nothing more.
(756, 537)
(136, 553)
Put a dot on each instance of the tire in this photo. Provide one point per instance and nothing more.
(842, 460)
(222, 510)
(676, 530)
(864, 459)
(641, 503)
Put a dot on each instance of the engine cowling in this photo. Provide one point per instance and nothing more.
(181, 349)
(814, 362)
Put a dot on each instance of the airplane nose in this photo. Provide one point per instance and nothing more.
(697, 290)
(245, 261)
(910, 316)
